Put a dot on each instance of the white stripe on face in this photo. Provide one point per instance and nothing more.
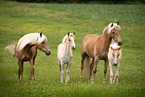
(115, 57)
(73, 42)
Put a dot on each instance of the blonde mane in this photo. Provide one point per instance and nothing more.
(111, 26)
(66, 37)
(32, 38)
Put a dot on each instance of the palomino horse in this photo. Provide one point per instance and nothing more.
(96, 47)
(64, 54)
(114, 57)
(26, 50)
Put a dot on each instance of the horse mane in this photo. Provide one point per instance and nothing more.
(110, 27)
(31, 38)
(66, 37)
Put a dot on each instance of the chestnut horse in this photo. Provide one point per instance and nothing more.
(95, 48)
(26, 50)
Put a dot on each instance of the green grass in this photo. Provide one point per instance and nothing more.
(55, 20)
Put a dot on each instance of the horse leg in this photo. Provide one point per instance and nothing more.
(116, 74)
(67, 73)
(105, 70)
(32, 69)
(82, 64)
(94, 68)
(20, 71)
(61, 71)
(111, 72)
(91, 67)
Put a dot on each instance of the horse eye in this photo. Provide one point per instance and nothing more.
(113, 55)
(69, 40)
(113, 33)
(43, 42)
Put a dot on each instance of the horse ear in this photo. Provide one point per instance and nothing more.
(119, 48)
(68, 33)
(112, 25)
(118, 23)
(74, 33)
(41, 34)
(112, 48)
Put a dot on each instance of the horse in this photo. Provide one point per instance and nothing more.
(95, 48)
(114, 57)
(64, 54)
(26, 50)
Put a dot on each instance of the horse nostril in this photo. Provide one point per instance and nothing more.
(48, 52)
(120, 43)
(115, 64)
(73, 48)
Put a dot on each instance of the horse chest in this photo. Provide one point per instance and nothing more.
(103, 55)
(67, 57)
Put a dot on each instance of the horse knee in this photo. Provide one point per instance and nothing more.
(20, 70)
(105, 71)
(67, 71)
(117, 74)
(82, 67)
(94, 71)
(62, 72)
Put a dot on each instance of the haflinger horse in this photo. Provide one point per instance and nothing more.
(114, 57)
(65, 55)
(95, 48)
(26, 50)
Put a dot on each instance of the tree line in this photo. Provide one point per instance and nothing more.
(81, 1)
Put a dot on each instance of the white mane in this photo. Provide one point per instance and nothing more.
(32, 38)
(66, 37)
(115, 26)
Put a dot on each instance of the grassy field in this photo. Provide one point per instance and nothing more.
(55, 20)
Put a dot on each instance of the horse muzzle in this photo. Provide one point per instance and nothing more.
(119, 42)
(47, 52)
(115, 64)
(73, 48)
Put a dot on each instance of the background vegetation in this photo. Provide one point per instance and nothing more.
(55, 20)
(84, 1)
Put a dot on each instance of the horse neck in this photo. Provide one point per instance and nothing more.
(106, 40)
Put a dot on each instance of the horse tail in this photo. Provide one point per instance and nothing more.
(87, 64)
(12, 49)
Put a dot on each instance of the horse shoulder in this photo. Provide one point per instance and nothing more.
(120, 56)
(61, 51)
(110, 57)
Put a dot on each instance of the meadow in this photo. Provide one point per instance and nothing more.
(55, 20)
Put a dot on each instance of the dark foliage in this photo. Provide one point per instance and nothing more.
(82, 1)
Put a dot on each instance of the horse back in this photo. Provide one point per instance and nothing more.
(88, 44)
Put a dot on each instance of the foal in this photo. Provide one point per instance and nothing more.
(64, 54)
(96, 47)
(114, 57)
(26, 50)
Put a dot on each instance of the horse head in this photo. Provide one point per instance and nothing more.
(115, 54)
(71, 40)
(43, 46)
(115, 32)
